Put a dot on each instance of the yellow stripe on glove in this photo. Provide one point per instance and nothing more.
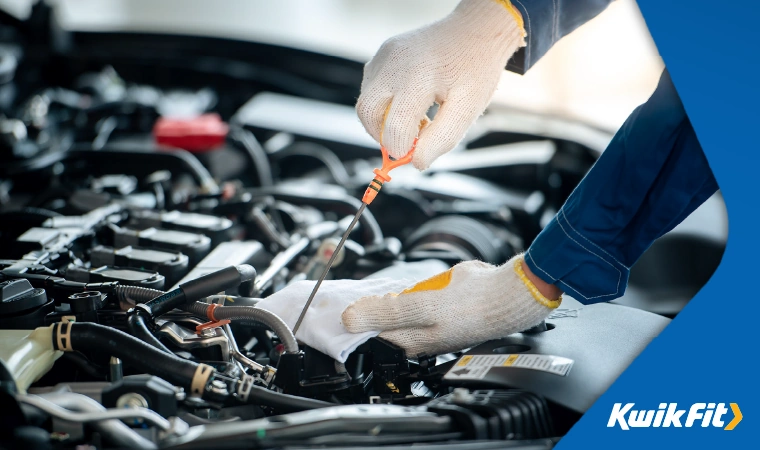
(515, 13)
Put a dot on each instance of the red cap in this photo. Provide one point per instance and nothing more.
(198, 134)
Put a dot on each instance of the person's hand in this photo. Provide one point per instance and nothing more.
(455, 62)
(471, 303)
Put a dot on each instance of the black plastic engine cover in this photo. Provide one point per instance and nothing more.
(497, 414)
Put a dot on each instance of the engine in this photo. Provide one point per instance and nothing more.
(140, 225)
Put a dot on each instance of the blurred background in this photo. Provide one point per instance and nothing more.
(543, 132)
(596, 75)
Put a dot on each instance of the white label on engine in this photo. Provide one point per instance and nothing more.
(475, 367)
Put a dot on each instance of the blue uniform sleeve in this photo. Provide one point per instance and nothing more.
(546, 22)
(651, 177)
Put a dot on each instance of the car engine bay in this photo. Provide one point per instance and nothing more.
(153, 188)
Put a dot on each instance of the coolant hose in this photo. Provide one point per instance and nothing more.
(77, 336)
(140, 294)
(216, 313)
(136, 322)
(139, 329)
(284, 403)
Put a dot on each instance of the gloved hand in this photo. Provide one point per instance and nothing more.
(471, 303)
(455, 62)
(466, 305)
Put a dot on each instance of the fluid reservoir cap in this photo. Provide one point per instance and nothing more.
(197, 134)
(19, 295)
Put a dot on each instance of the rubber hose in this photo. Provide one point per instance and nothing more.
(215, 282)
(139, 329)
(283, 402)
(131, 350)
(85, 365)
(176, 370)
(198, 288)
(165, 303)
(257, 155)
(268, 318)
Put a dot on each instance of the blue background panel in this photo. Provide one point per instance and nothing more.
(709, 353)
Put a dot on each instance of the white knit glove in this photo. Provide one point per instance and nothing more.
(471, 303)
(455, 62)
(322, 328)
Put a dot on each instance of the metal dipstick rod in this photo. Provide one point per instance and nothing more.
(327, 267)
(381, 177)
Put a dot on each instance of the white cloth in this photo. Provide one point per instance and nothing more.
(322, 328)
(455, 62)
(472, 303)
(476, 302)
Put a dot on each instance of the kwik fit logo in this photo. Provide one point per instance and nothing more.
(668, 415)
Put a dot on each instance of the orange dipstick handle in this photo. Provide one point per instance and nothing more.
(381, 174)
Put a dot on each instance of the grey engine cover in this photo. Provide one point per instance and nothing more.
(601, 339)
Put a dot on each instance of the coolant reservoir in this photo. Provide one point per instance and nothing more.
(28, 354)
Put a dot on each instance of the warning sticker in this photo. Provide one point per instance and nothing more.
(475, 367)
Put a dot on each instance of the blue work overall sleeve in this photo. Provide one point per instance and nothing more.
(651, 177)
(548, 21)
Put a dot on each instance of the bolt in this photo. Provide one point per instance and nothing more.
(208, 332)
(115, 366)
(132, 400)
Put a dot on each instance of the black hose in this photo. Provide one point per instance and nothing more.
(141, 162)
(74, 336)
(321, 153)
(283, 402)
(131, 350)
(215, 282)
(162, 304)
(196, 289)
(139, 329)
(326, 200)
(257, 155)
(85, 365)
(138, 294)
